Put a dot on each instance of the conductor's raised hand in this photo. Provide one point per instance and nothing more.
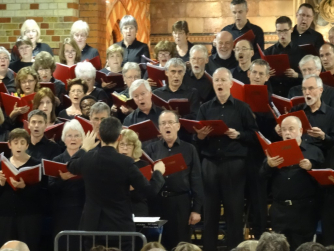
(89, 141)
(274, 161)
(194, 218)
(18, 184)
(159, 166)
(203, 132)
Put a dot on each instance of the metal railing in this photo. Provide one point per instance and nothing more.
(93, 234)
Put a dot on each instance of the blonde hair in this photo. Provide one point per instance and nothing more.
(79, 26)
(132, 137)
(165, 46)
(22, 75)
(185, 246)
(151, 245)
(115, 48)
(31, 22)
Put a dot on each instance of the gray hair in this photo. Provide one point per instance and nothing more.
(85, 69)
(175, 62)
(317, 79)
(39, 113)
(99, 107)
(135, 85)
(308, 58)
(79, 26)
(4, 50)
(249, 244)
(128, 20)
(129, 66)
(72, 125)
(199, 47)
(296, 119)
(260, 62)
(331, 30)
(223, 69)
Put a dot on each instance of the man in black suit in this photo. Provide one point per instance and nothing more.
(108, 176)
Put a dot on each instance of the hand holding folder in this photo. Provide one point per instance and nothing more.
(9, 103)
(323, 176)
(219, 128)
(29, 174)
(287, 149)
(111, 77)
(121, 100)
(156, 73)
(173, 164)
(53, 169)
(284, 104)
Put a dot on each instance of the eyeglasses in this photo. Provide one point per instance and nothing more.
(75, 136)
(44, 70)
(76, 91)
(4, 59)
(163, 54)
(170, 123)
(201, 60)
(70, 52)
(305, 16)
(241, 49)
(311, 88)
(282, 31)
(123, 145)
(29, 81)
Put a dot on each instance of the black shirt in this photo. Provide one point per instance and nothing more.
(310, 36)
(183, 92)
(258, 32)
(39, 47)
(59, 87)
(9, 81)
(322, 118)
(138, 116)
(63, 114)
(189, 180)
(186, 57)
(327, 95)
(45, 149)
(66, 193)
(293, 182)
(18, 65)
(89, 52)
(235, 114)
(133, 52)
(26, 201)
(203, 85)
(101, 95)
(216, 62)
(282, 84)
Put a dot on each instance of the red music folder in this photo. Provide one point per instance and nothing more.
(323, 176)
(4, 148)
(249, 35)
(119, 100)
(288, 149)
(51, 168)
(3, 88)
(96, 62)
(182, 105)
(110, 77)
(146, 130)
(173, 164)
(156, 73)
(281, 102)
(48, 85)
(218, 126)
(300, 114)
(9, 103)
(50, 132)
(327, 78)
(147, 172)
(254, 95)
(86, 124)
(30, 174)
(279, 62)
(309, 49)
(64, 72)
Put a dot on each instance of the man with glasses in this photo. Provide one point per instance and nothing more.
(292, 77)
(6, 75)
(242, 25)
(312, 65)
(224, 55)
(181, 198)
(243, 52)
(196, 77)
(302, 32)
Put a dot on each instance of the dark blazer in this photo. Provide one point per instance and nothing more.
(108, 176)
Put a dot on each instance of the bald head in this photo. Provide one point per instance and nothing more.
(292, 128)
(224, 43)
(326, 54)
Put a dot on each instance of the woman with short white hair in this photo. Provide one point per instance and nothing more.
(68, 192)
(80, 32)
(133, 49)
(31, 29)
(6, 75)
(87, 72)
